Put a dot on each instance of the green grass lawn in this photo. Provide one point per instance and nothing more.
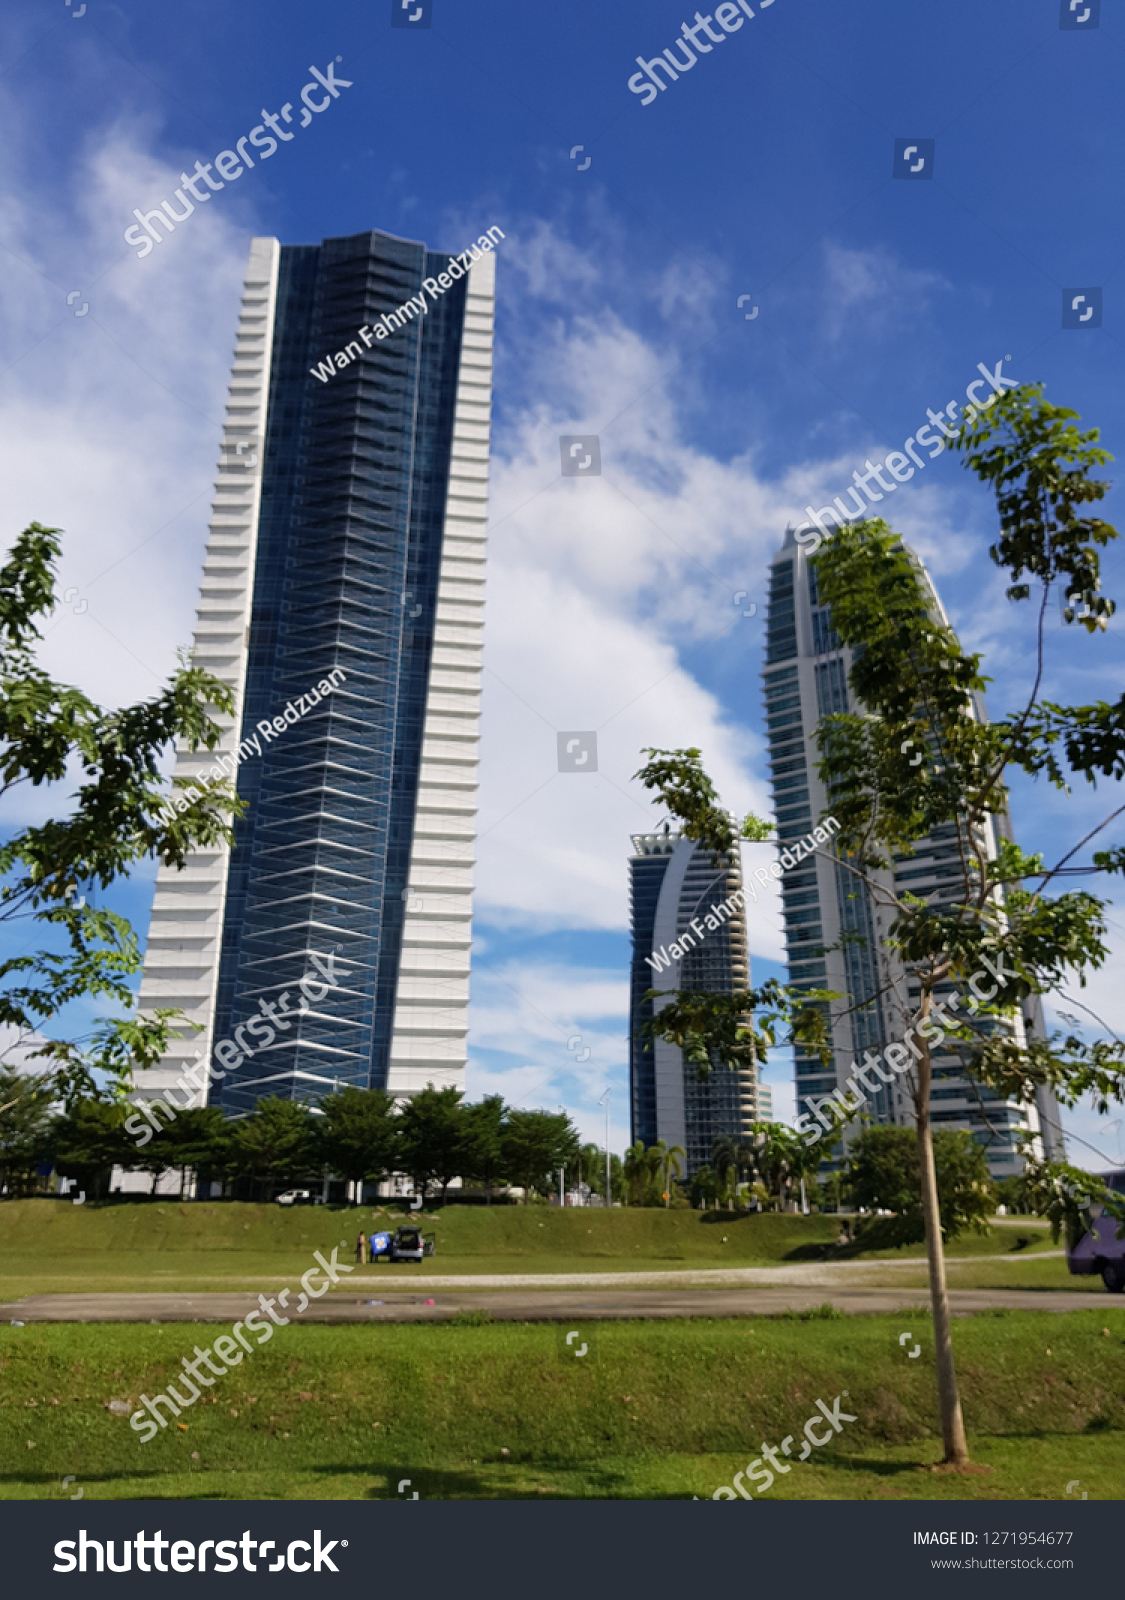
(51, 1247)
(657, 1410)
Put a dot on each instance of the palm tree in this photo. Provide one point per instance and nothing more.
(636, 1172)
(666, 1159)
(725, 1161)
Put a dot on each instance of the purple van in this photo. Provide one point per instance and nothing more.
(1099, 1249)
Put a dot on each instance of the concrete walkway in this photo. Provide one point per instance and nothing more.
(570, 1305)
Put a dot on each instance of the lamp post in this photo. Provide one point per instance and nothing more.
(608, 1195)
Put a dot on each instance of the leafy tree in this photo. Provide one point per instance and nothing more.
(275, 1144)
(357, 1134)
(592, 1167)
(726, 1163)
(89, 1141)
(593, 1171)
(669, 1159)
(121, 816)
(915, 687)
(642, 1174)
(780, 1158)
(834, 1186)
(704, 1187)
(483, 1142)
(25, 1128)
(884, 1174)
(432, 1138)
(198, 1141)
(1069, 1198)
(535, 1145)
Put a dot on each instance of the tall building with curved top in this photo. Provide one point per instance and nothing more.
(834, 932)
(342, 599)
(689, 932)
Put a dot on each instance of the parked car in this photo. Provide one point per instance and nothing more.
(295, 1197)
(1099, 1249)
(405, 1244)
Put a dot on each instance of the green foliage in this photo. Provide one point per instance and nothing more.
(641, 1170)
(482, 1142)
(119, 818)
(89, 1141)
(883, 1174)
(688, 793)
(915, 685)
(356, 1134)
(1039, 465)
(779, 1158)
(734, 1029)
(275, 1144)
(1068, 1197)
(25, 1128)
(431, 1137)
(535, 1145)
(668, 1161)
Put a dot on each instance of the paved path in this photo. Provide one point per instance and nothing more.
(805, 1274)
(524, 1305)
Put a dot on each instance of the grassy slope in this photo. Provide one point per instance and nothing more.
(52, 1247)
(657, 1410)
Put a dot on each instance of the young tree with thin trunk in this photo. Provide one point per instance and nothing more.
(915, 689)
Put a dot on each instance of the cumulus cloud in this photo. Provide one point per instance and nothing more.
(110, 420)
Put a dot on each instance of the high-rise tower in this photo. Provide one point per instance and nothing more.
(835, 934)
(688, 933)
(346, 551)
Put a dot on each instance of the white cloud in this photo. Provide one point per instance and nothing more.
(110, 421)
(868, 292)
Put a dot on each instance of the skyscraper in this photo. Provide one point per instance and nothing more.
(674, 889)
(835, 934)
(342, 600)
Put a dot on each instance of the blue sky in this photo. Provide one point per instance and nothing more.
(766, 170)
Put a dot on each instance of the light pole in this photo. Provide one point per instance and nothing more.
(608, 1195)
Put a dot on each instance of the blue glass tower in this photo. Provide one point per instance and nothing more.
(345, 576)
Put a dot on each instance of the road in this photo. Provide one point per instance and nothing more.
(531, 1305)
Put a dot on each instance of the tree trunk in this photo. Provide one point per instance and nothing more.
(949, 1401)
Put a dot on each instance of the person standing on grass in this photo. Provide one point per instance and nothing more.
(361, 1249)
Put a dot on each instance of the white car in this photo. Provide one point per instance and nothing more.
(295, 1197)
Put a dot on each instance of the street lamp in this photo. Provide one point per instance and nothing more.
(608, 1195)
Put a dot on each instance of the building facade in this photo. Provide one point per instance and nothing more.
(674, 888)
(834, 932)
(342, 599)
